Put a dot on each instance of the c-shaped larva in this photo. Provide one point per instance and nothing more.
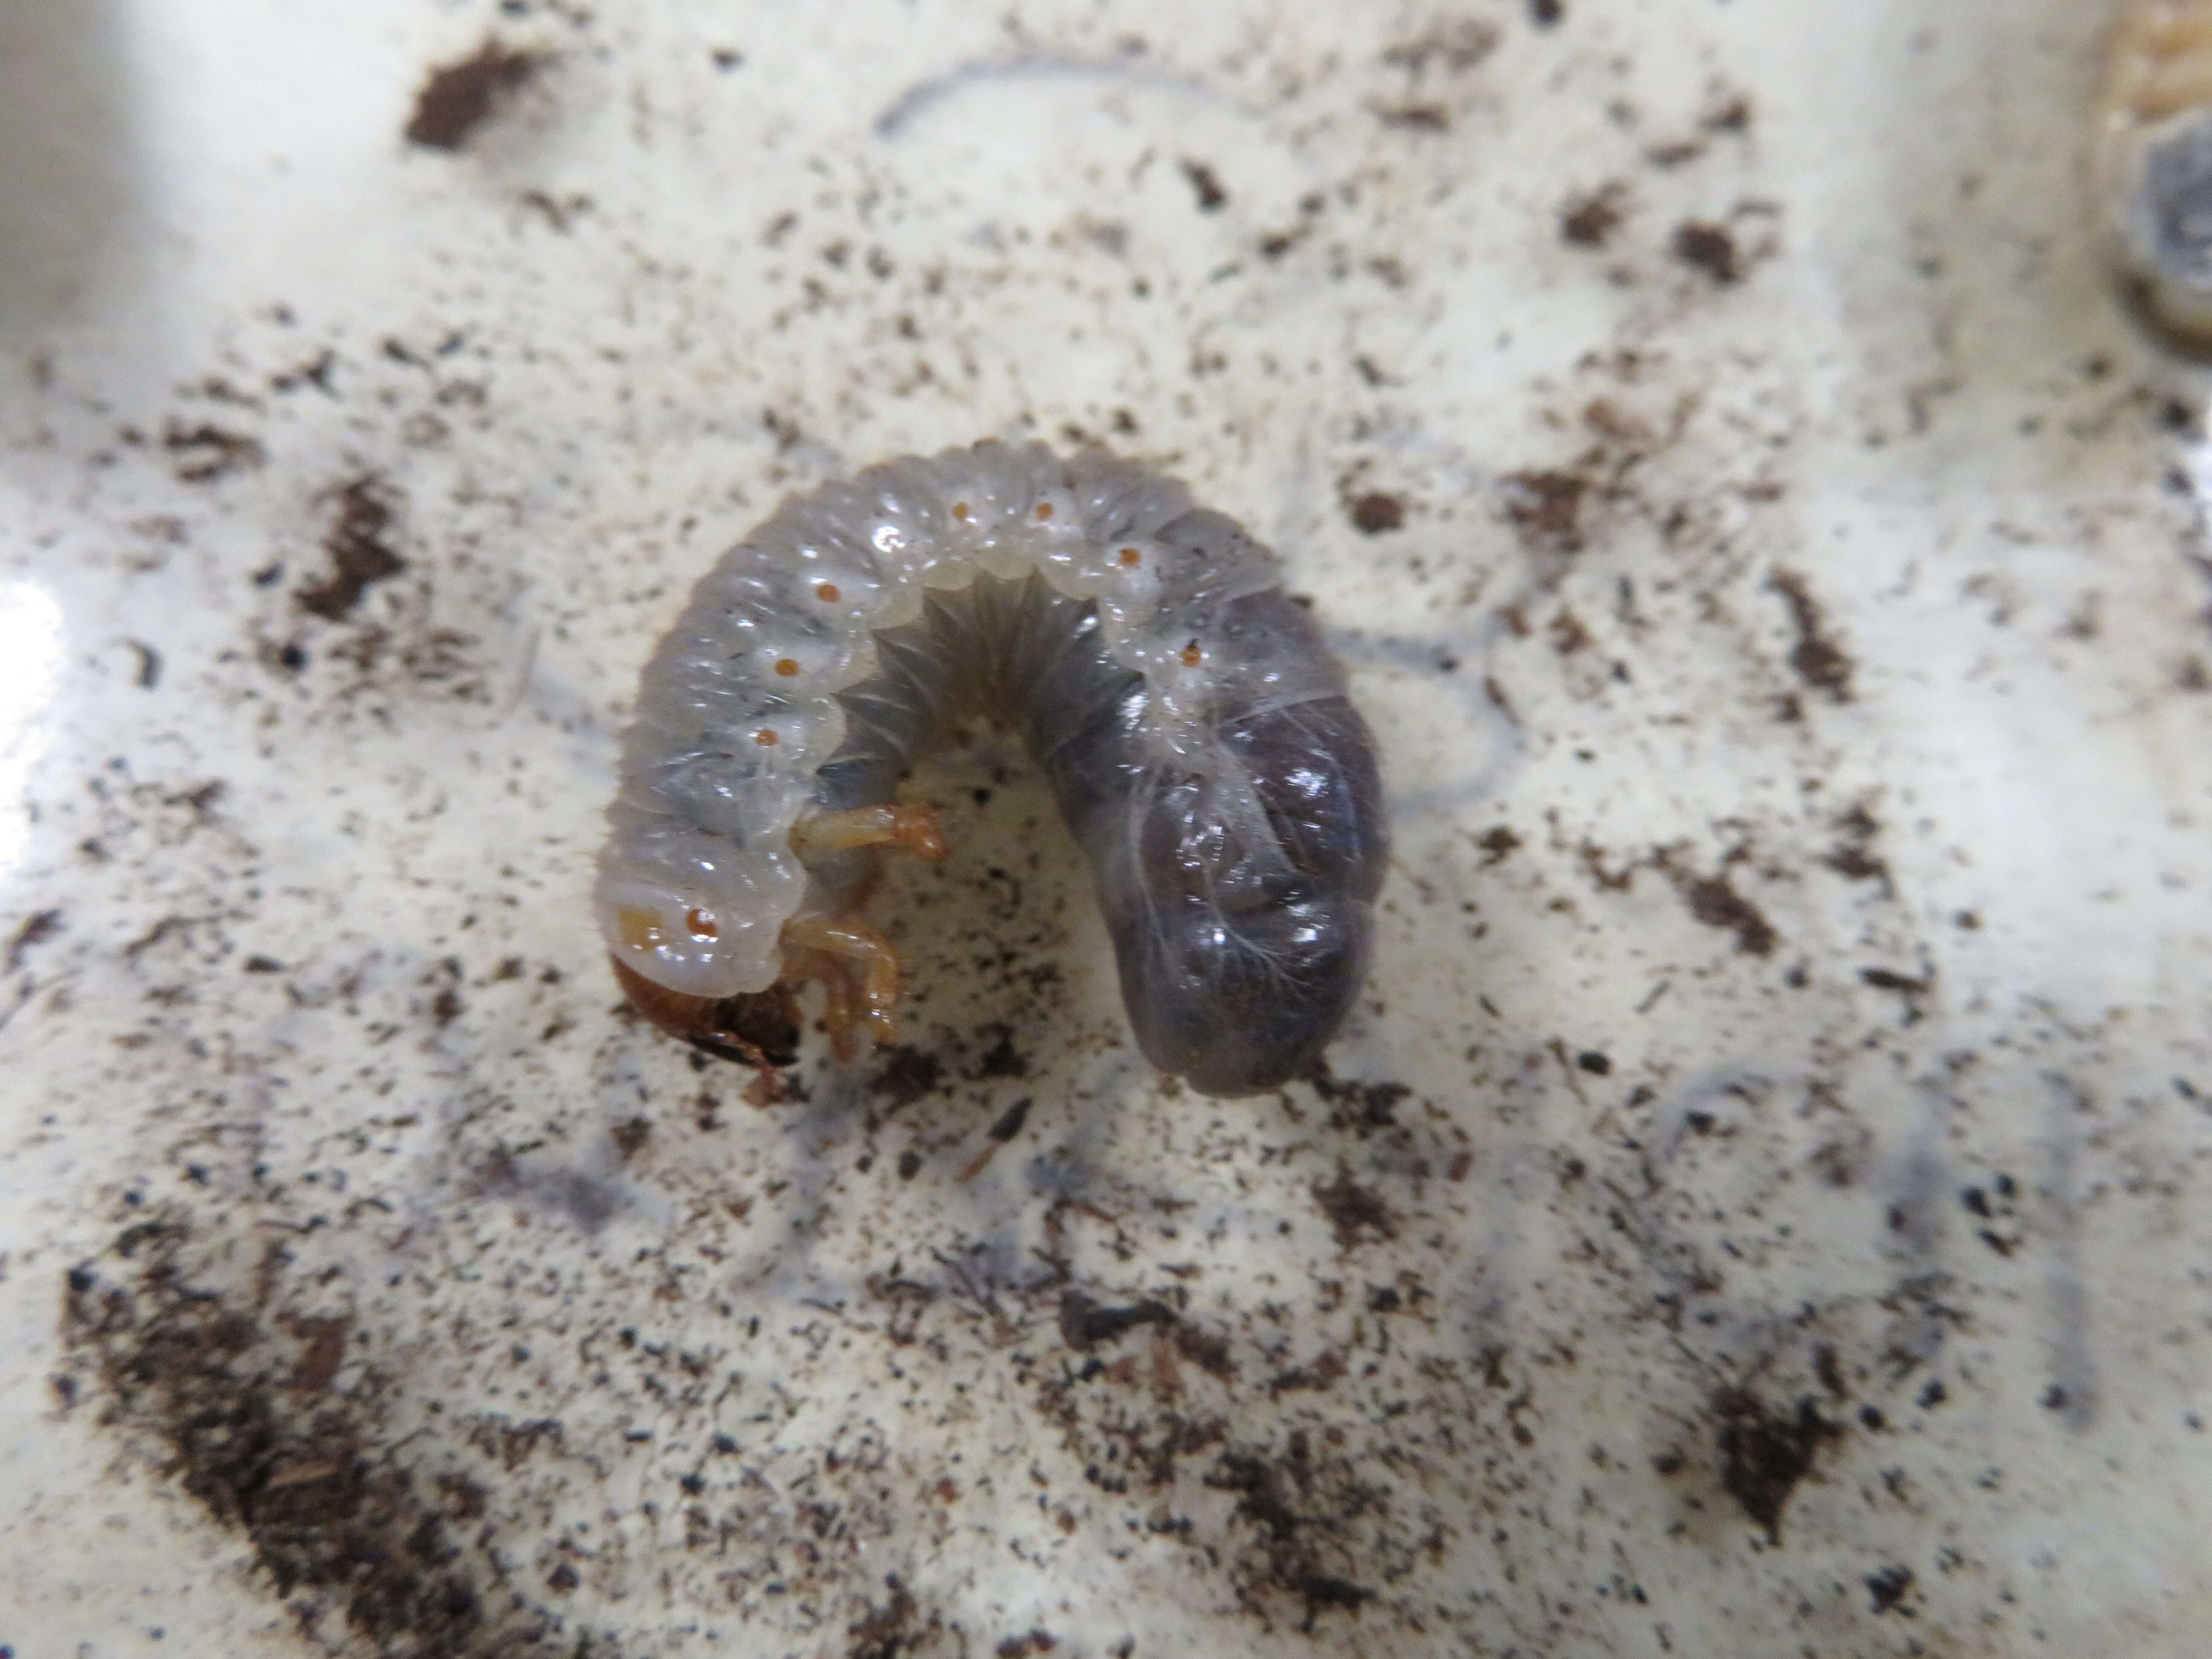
(1193, 726)
(2154, 157)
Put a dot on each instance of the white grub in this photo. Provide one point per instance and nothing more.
(1196, 730)
(2154, 159)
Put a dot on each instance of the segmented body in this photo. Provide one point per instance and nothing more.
(1194, 728)
(2154, 157)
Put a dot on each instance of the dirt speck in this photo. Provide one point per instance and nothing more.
(1888, 1587)
(1375, 512)
(1498, 845)
(1588, 220)
(1853, 856)
(1764, 1453)
(908, 1074)
(1817, 660)
(1354, 1210)
(1457, 46)
(360, 553)
(1718, 904)
(1415, 118)
(1206, 184)
(38, 927)
(203, 453)
(1546, 507)
(891, 1630)
(1708, 247)
(459, 98)
(1084, 1323)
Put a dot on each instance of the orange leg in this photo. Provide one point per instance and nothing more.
(914, 828)
(854, 963)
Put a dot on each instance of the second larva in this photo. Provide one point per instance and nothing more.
(2155, 158)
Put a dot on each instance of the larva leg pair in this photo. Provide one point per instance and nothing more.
(914, 828)
(855, 964)
(857, 969)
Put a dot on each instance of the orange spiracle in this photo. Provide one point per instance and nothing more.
(2154, 159)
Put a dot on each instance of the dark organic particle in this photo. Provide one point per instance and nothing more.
(1731, 114)
(38, 927)
(1084, 1323)
(908, 1074)
(1817, 660)
(1010, 1123)
(1375, 512)
(1594, 1063)
(1589, 221)
(887, 1631)
(1207, 185)
(1547, 13)
(1888, 1587)
(205, 452)
(1374, 1105)
(1886, 979)
(1458, 46)
(1002, 1059)
(249, 1426)
(1264, 1501)
(1764, 1454)
(1718, 904)
(1711, 248)
(1546, 507)
(149, 665)
(1206, 1349)
(1853, 857)
(1354, 1210)
(360, 554)
(1417, 118)
(459, 98)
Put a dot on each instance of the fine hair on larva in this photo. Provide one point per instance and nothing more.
(1196, 730)
(2153, 159)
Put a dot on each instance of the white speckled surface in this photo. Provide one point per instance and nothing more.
(1762, 1206)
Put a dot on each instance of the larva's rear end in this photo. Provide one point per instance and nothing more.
(1238, 879)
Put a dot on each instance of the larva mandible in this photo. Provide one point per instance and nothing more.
(2155, 158)
(1194, 728)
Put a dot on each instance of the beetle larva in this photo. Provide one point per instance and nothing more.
(1191, 724)
(2155, 158)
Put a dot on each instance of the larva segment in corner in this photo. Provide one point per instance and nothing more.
(2153, 164)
